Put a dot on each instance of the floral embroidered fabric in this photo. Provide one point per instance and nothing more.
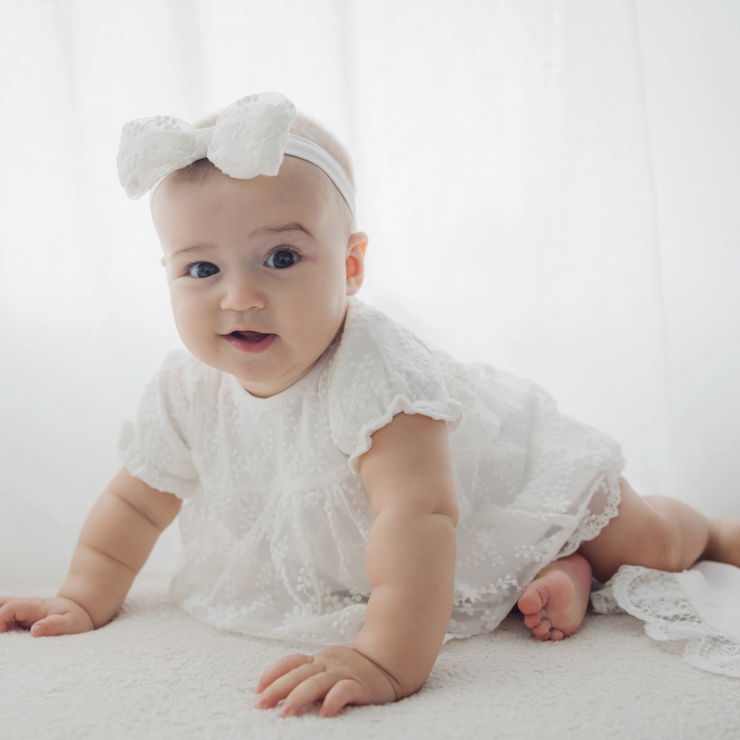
(275, 517)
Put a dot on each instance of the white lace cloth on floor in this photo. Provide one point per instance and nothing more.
(701, 605)
(275, 518)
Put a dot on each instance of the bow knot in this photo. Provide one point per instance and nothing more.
(247, 139)
(203, 138)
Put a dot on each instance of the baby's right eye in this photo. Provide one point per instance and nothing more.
(208, 267)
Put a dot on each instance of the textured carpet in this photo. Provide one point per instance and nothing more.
(154, 672)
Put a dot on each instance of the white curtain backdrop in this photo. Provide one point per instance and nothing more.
(550, 186)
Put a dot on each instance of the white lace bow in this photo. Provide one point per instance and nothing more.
(249, 138)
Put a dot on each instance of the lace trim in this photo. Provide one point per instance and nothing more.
(603, 599)
(658, 599)
(610, 495)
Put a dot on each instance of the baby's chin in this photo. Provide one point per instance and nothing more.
(261, 369)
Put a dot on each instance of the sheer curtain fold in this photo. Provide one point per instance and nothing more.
(539, 190)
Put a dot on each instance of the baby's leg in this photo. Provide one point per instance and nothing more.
(555, 602)
(661, 533)
(652, 531)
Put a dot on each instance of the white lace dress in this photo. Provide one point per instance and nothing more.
(275, 518)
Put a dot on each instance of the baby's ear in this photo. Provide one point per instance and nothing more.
(356, 262)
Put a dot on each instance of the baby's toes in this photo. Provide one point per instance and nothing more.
(532, 620)
(530, 601)
(542, 630)
(556, 635)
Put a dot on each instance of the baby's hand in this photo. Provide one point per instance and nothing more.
(338, 674)
(53, 616)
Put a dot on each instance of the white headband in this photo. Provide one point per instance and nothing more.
(249, 138)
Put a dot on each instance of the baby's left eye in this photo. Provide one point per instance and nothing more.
(282, 258)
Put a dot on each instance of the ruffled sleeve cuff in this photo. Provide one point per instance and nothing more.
(154, 447)
(450, 411)
(132, 457)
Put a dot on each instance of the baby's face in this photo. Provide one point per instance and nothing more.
(228, 269)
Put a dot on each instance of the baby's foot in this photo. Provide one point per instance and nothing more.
(724, 540)
(554, 604)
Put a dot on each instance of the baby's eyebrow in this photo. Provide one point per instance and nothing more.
(187, 249)
(293, 226)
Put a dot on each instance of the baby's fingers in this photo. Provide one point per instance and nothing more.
(343, 692)
(23, 611)
(55, 624)
(282, 667)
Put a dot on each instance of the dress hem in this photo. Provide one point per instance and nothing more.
(591, 525)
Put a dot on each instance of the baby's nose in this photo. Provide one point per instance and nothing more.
(242, 294)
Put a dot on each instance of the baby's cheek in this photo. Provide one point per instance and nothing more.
(189, 323)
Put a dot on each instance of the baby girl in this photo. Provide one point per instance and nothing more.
(339, 481)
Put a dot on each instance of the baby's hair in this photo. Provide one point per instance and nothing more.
(303, 125)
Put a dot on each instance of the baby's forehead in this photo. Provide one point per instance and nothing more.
(204, 197)
(307, 177)
(306, 185)
(296, 179)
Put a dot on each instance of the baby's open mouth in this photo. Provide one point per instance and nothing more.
(250, 341)
(249, 336)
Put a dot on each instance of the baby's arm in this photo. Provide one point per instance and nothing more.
(114, 543)
(411, 551)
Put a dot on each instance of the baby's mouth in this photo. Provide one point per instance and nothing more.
(250, 341)
(249, 336)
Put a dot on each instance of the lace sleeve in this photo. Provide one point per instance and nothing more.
(381, 369)
(154, 448)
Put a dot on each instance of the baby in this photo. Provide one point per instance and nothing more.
(339, 481)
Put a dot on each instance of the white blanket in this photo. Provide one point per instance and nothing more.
(700, 605)
(154, 672)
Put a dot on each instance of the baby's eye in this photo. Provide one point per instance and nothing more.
(282, 258)
(200, 268)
